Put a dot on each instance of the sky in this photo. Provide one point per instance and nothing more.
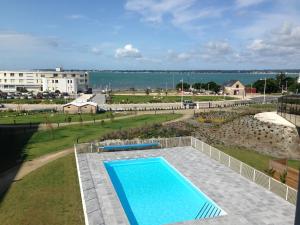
(150, 34)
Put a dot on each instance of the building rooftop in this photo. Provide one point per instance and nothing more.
(230, 83)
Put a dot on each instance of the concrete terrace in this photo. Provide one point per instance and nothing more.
(244, 201)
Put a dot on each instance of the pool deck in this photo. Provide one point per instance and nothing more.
(244, 201)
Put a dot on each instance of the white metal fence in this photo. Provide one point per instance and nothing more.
(280, 189)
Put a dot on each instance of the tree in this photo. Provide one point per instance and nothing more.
(213, 86)
(271, 87)
(295, 87)
(198, 86)
(280, 79)
(186, 86)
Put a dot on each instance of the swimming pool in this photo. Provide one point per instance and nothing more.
(152, 192)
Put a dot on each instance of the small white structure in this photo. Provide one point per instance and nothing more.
(80, 107)
(298, 81)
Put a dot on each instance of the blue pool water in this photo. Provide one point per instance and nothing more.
(152, 192)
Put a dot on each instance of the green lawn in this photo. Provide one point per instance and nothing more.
(126, 99)
(21, 118)
(43, 142)
(36, 101)
(252, 158)
(29, 145)
(49, 195)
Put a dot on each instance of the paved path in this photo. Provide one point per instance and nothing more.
(273, 117)
(18, 172)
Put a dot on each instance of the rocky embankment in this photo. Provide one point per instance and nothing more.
(267, 138)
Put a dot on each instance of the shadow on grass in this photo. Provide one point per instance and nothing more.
(13, 140)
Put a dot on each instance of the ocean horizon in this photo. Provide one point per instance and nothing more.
(123, 80)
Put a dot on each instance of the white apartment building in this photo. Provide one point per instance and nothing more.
(71, 82)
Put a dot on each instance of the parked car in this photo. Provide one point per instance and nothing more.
(189, 104)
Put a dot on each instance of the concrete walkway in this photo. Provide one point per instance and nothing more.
(273, 117)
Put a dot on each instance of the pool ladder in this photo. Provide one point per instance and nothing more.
(208, 210)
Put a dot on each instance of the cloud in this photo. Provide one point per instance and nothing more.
(283, 41)
(76, 17)
(96, 50)
(180, 56)
(153, 11)
(180, 13)
(248, 3)
(128, 51)
(218, 48)
(13, 41)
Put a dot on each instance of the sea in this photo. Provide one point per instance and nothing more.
(124, 80)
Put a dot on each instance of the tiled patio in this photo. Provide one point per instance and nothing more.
(244, 201)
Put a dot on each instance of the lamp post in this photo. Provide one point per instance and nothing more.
(265, 90)
(182, 92)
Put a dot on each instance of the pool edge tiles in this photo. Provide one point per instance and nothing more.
(149, 185)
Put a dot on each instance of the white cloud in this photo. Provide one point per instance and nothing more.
(180, 56)
(153, 11)
(13, 41)
(248, 3)
(218, 48)
(283, 41)
(76, 17)
(128, 51)
(96, 50)
(180, 13)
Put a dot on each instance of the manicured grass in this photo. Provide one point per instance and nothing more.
(44, 142)
(294, 163)
(49, 195)
(36, 101)
(126, 99)
(21, 118)
(267, 107)
(252, 158)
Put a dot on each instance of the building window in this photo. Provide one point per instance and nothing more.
(73, 75)
(5, 80)
(42, 75)
(237, 86)
(20, 81)
(5, 74)
(56, 81)
(55, 74)
(20, 74)
(52, 81)
(12, 74)
(81, 75)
